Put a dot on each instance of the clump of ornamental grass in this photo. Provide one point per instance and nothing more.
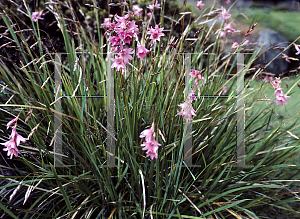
(176, 151)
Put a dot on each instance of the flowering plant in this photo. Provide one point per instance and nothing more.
(161, 139)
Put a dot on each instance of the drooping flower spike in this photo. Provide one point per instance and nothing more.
(150, 144)
(13, 143)
(281, 98)
(187, 109)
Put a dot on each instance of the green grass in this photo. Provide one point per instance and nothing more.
(280, 113)
(286, 23)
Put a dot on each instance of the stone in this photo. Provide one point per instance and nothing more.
(268, 39)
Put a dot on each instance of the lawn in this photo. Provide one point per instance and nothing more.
(285, 22)
(281, 113)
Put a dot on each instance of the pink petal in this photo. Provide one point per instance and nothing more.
(153, 155)
(19, 139)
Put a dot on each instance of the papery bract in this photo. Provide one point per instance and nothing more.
(192, 96)
(106, 22)
(286, 57)
(11, 122)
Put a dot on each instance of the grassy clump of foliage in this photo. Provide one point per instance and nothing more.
(149, 92)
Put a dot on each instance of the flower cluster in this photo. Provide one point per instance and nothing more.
(225, 15)
(14, 142)
(150, 144)
(280, 96)
(228, 27)
(197, 76)
(187, 108)
(123, 32)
